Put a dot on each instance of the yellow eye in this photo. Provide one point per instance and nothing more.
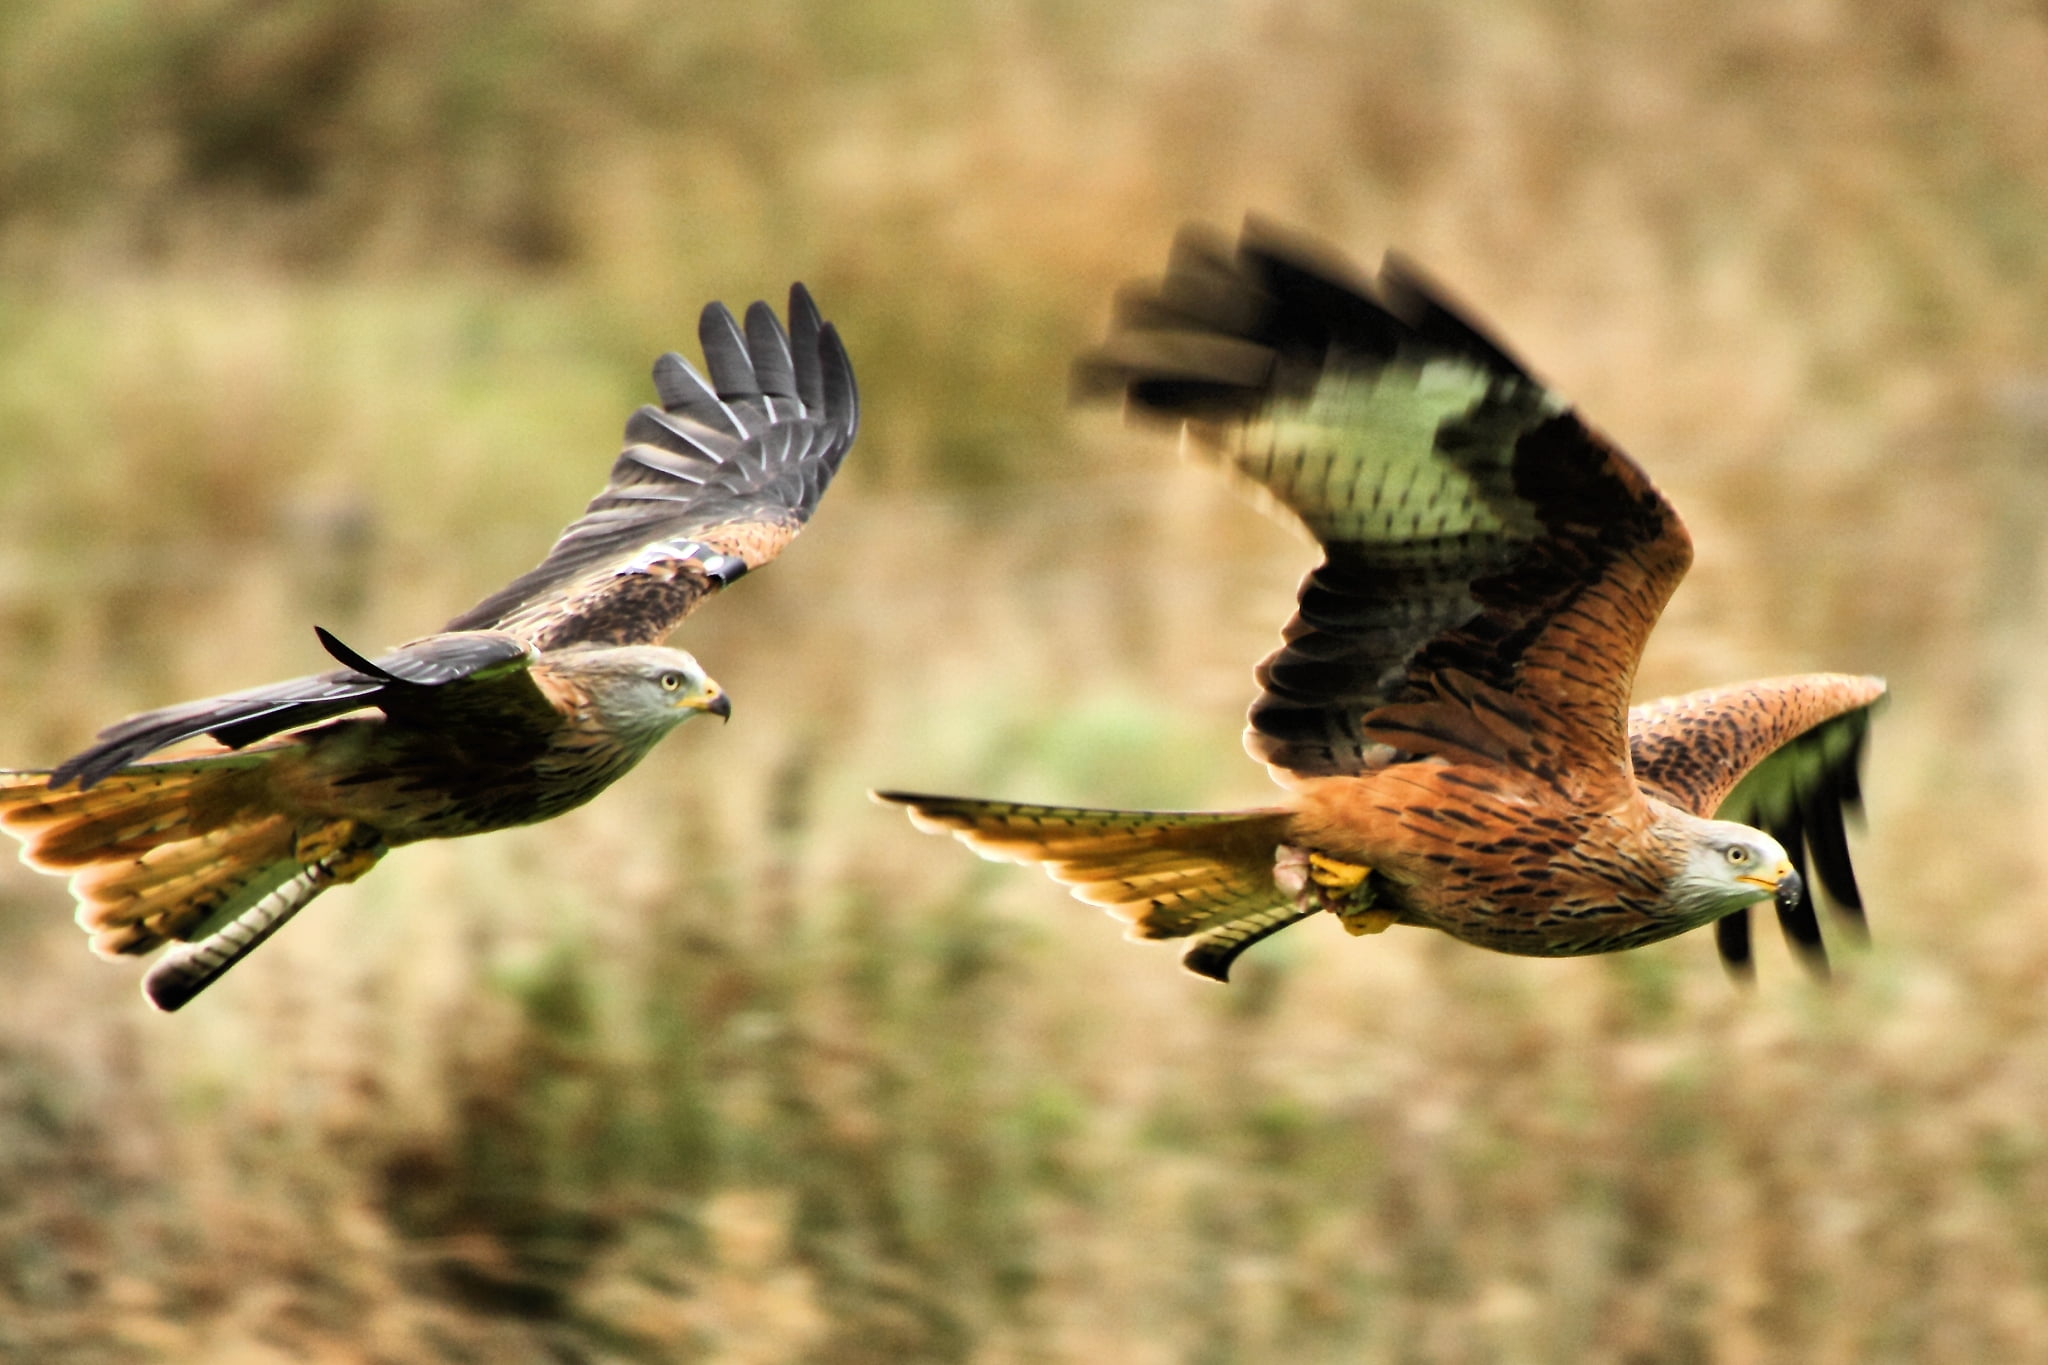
(671, 681)
(1738, 855)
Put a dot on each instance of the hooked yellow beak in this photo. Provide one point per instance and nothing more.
(1783, 882)
(713, 701)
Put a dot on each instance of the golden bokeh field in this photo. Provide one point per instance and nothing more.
(314, 312)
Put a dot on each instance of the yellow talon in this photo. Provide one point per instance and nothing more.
(1366, 921)
(1332, 875)
(1320, 882)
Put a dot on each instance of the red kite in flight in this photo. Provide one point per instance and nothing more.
(1449, 709)
(529, 703)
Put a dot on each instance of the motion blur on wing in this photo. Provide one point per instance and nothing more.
(1449, 709)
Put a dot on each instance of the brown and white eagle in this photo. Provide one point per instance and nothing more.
(1449, 709)
(529, 703)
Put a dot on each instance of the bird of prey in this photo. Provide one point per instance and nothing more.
(1449, 707)
(524, 706)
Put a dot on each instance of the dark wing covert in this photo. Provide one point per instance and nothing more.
(407, 683)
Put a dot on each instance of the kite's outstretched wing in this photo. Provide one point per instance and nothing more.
(1782, 755)
(490, 665)
(712, 483)
(1492, 565)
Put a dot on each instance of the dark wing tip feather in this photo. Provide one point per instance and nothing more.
(1827, 810)
(805, 324)
(1783, 755)
(1229, 325)
(686, 393)
(1731, 937)
(715, 480)
(1427, 308)
(237, 719)
(1813, 824)
(725, 353)
(842, 395)
(768, 345)
(1802, 931)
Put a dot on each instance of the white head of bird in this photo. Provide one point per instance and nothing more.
(641, 692)
(1728, 866)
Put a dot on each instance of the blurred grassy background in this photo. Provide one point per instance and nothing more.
(325, 312)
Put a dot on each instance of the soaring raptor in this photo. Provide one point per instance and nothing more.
(529, 703)
(1449, 709)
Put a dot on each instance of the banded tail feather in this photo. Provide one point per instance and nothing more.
(186, 969)
(1215, 949)
(1207, 876)
(183, 852)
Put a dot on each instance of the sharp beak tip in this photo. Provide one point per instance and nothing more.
(1791, 891)
(720, 706)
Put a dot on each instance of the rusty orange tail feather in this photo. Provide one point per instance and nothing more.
(179, 851)
(1205, 876)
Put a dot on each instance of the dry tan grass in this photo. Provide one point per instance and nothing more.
(330, 313)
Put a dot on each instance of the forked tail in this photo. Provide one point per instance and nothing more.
(182, 850)
(1207, 876)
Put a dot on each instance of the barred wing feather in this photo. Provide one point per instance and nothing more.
(712, 483)
(1492, 566)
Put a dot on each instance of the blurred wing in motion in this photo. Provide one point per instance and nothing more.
(1783, 755)
(1450, 703)
(415, 681)
(1492, 565)
(712, 483)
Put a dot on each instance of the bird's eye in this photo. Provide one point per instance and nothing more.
(1738, 855)
(671, 681)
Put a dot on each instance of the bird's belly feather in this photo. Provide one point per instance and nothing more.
(1496, 859)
